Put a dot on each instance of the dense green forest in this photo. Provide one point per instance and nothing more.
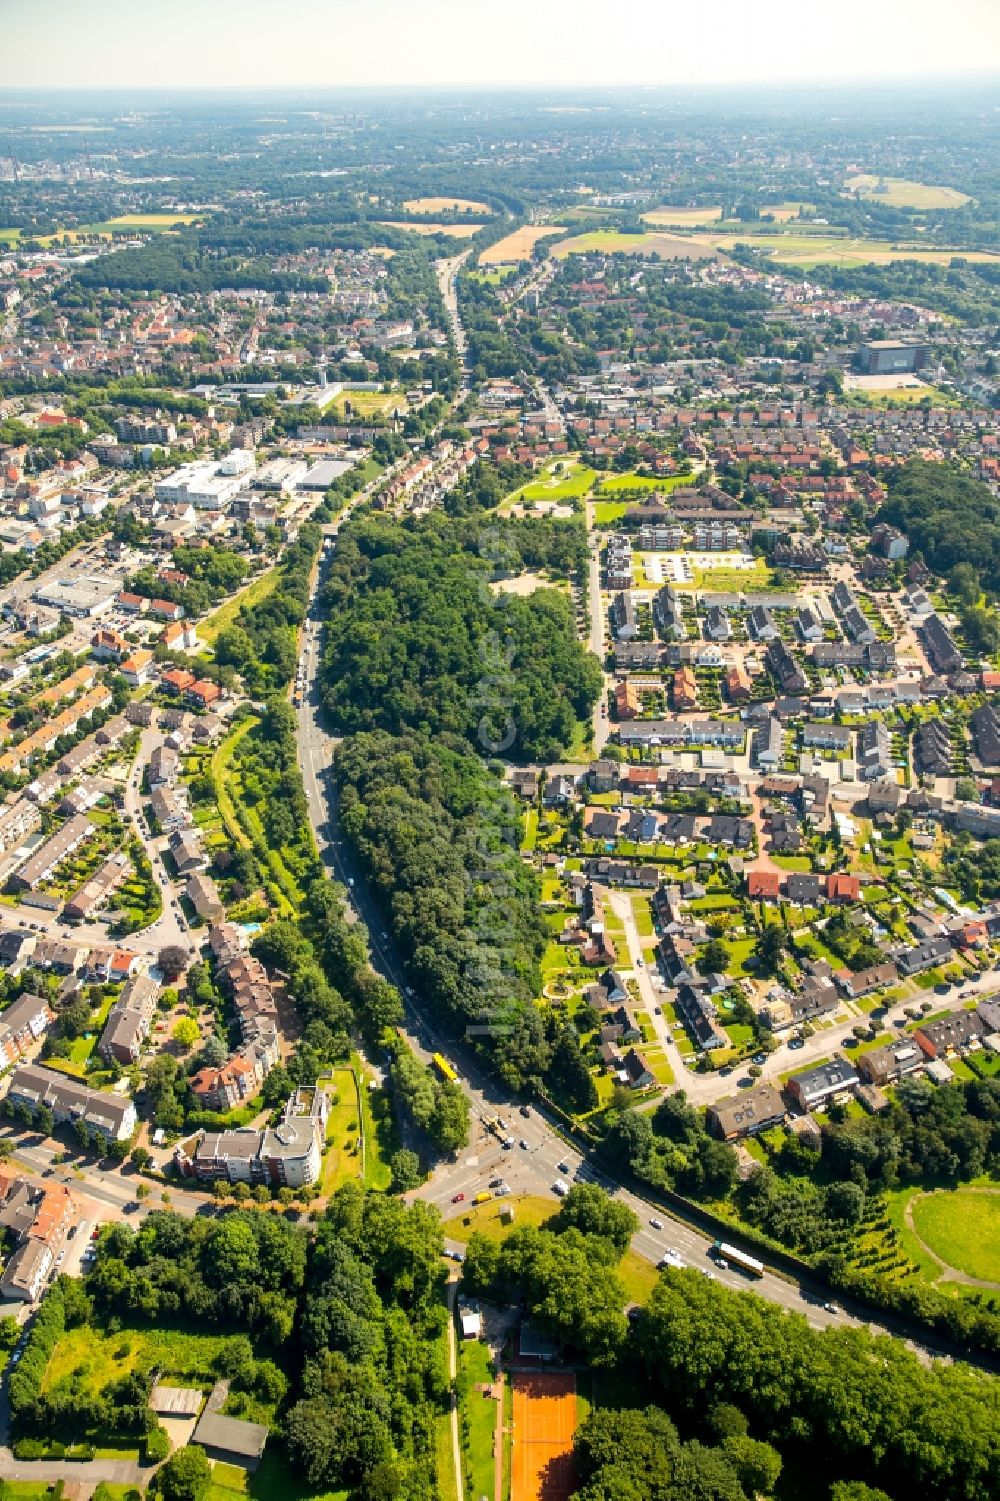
(416, 638)
(437, 834)
(949, 518)
(339, 1331)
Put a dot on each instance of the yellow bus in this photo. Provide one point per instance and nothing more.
(444, 1068)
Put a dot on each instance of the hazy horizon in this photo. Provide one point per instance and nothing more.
(554, 44)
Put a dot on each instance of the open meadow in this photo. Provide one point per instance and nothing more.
(899, 192)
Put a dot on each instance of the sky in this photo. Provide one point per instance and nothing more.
(308, 43)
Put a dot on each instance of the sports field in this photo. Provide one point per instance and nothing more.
(899, 192)
(668, 247)
(962, 1228)
(458, 231)
(518, 245)
(446, 206)
(544, 1423)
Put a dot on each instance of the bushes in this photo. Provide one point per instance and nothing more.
(25, 1383)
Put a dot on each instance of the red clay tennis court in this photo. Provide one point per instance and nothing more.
(544, 1424)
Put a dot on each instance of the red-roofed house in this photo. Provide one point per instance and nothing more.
(165, 609)
(764, 884)
(108, 646)
(177, 679)
(843, 888)
(204, 693)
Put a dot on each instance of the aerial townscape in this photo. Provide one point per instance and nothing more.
(499, 768)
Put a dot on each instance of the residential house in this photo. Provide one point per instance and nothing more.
(744, 1115)
(818, 1086)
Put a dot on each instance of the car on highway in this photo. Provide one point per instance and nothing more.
(831, 1308)
(457, 1198)
(656, 1224)
(481, 1198)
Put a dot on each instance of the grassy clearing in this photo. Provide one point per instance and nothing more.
(342, 1163)
(900, 192)
(274, 1481)
(607, 512)
(571, 482)
(639, 1276)
(219, 770)
(368, 403)
(98, 1359)
(962, 1227)
(228, 1482)
(529, 1209)
(225, 616)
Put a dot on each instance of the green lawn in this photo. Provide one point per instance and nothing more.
(342, 1163)
(479, 1415)
(572, 482)
(228, 1483)
(529, 1209)
(962, 1227)
(607, 512)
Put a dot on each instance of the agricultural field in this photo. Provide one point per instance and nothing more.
(899, 192)
(144, 221)
(518, 245)
(611, 242)
(683, 218)
(837, 250)
(457, 231)
(441, 206)
(141, 223)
